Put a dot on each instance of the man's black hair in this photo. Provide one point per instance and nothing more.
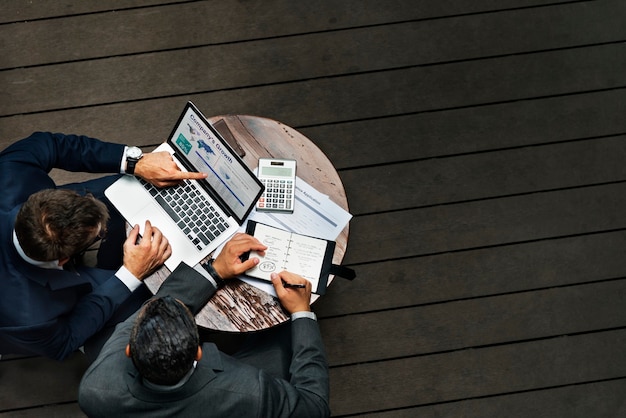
(164, 341)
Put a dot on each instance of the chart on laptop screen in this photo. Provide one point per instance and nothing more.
(207, 153)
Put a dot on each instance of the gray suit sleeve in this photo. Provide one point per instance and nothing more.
(309, 366)
(188, 286)
(306, 394)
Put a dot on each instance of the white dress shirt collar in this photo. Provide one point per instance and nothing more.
(54, 264)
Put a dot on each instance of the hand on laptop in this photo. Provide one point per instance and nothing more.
(228, 264)
(160, 169)
(143, 256)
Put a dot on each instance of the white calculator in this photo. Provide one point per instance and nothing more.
(279, 178)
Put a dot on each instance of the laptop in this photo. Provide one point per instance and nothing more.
(195, 216)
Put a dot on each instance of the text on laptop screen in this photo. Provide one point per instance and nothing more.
(206, 152)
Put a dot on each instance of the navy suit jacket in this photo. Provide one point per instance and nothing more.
(42, 311)
(221, 385)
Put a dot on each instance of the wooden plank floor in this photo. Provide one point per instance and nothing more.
(482, 146)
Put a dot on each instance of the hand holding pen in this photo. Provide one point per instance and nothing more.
(293, 291)
(293, 285)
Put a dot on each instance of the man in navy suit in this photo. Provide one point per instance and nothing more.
(50, 304)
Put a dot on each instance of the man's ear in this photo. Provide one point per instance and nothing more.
(127, 350)
(63, 261)
(199, 354)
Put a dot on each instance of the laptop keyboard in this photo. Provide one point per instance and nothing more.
(193, 214)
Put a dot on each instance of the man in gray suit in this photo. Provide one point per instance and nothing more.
(153, 365)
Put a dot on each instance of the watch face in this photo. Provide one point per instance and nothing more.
(134, 152)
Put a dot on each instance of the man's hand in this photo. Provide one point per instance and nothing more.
(292, 299)
(228, 264)
(143, 257)
(160, 169)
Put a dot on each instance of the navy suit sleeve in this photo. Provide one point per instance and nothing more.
(68, 152)
(32, 159)
(62, 336)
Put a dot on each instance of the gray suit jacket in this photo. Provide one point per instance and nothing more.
(221, 385)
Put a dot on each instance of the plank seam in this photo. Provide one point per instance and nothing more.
(481, 346)
(485, 247)
(33, 407)
(494, 395)
(424, 19)
(495, 197)
(473, 298)
(328, 77)
(101, 12)
(485, 151)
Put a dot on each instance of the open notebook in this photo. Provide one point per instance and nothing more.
(306, 256)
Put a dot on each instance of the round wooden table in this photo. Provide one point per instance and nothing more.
(238, 306)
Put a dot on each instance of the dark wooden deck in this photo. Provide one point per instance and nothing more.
(482, 147)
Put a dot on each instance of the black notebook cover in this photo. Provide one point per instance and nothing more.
(325, 257)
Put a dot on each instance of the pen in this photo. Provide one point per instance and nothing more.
(293, 285)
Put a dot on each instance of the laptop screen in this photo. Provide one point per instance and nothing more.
(207, 152)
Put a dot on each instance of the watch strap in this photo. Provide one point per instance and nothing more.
(130, 165)
(208, 266)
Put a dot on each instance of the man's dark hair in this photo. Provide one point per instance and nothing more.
(164, 341)
(57, 223)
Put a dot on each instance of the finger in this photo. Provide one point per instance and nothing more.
(289, 277)
(168, 252)
(245, 246)
(191, 175)
(164, 253)
(147, 231)
(294, 278)
(243, 237)
(247, 241)
(165, 245)
(252, 239)
(255, 244)
(157, 235)
(247, 265)
(278, 283)
(162, 246)
(133, 235)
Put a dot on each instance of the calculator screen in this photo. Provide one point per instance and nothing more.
(276, 171)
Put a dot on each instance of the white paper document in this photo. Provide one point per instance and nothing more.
(314, 214)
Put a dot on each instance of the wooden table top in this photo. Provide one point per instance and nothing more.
(238, 306)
